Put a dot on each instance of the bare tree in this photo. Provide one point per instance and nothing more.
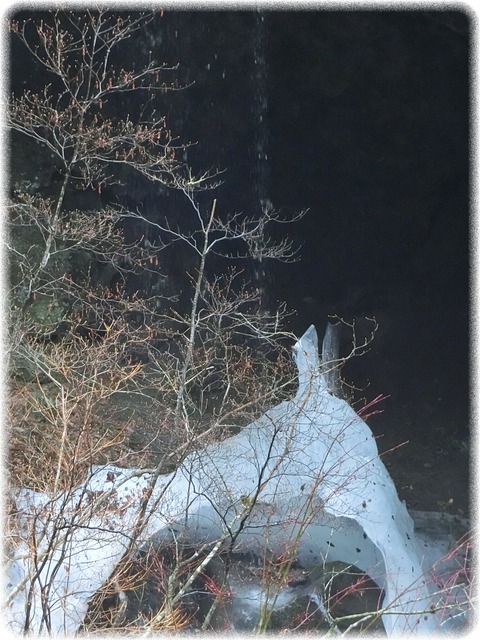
(54, 249)
(77, 343)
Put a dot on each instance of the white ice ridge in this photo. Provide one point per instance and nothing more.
(306, 476)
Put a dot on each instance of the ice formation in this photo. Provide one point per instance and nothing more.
(310, 467)
(304, 476)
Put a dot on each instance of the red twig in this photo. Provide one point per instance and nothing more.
(363, 411)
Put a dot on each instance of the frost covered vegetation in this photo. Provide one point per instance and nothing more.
(163, 447)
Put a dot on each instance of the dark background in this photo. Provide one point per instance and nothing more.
(363, 119)
(367, 126)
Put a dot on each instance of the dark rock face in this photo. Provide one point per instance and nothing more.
(373, 113)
